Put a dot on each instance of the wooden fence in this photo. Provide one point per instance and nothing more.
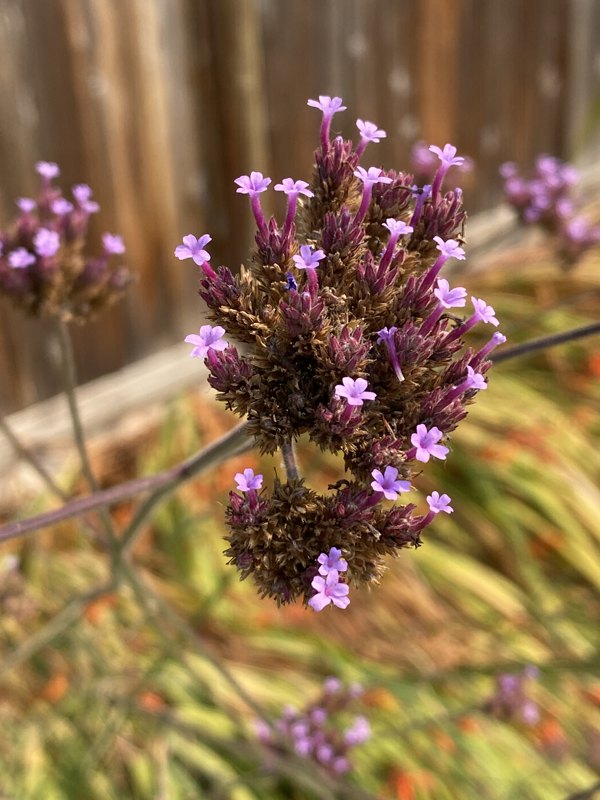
(160, 104)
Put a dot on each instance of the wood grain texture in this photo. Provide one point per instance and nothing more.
(160, 104)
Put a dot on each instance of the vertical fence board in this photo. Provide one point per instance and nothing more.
(160, 104)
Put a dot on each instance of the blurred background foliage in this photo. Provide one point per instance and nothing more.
(137, 699)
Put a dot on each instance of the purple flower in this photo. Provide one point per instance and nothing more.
(386, 334)
(61, 206)
(47, 169)
(447, 156)
(354, 391)
(193, 248)
(474, 380)
(210, 338)
(425, 442)
(307, 259)
(332, 685)
(371, 176)
(450, 298)
(439, 502)
(252, 184)
(26, 204)
(328, 105)
(289, 186)
(20, 258)
(388, 483)
(369, 131)
(247, 481)
(484, 312)
(332, 561)
(113, 244)
(396, 227)
(291, 286)
(359, 732)
(449, 248)
(46, 242)
(82, 193)
(329, 590)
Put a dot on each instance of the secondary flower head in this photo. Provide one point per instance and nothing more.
(439, 502)
(46, 242)
(359, 731)
(307, 258)
(369, 132)
(61, 206)
(20, 258)
(292, 187)
(450, 298)
(329, 590)
(82, 193)
(332, 561)
(355, 391)
(388, 483)
(448, 155)
(484, 312)
(371, 176)
(247, 481)
(450, 248)
(208, 338)
(252, 184)
(426, 443)
(194, 248)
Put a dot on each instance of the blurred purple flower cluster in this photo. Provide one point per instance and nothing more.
(320, 730)
(547, 199)
(43, 268)
(511, 701)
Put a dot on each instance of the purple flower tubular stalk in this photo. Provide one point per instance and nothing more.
(43, 266)
(356, 263)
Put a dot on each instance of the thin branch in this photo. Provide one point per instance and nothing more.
(26, 455)
(545, 342)
(586, 794)
(289, 461)
(232, 443)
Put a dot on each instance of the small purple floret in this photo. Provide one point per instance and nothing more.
(388, 483)
(439, 502)
(354, 391)
(20, 258)
(426, 443)
(113, 244)
(307, 258)
(252, 184)
(193, 248)
(329, 590)
(332, 561)
(209, 338)
(46, 242)
(247, 481)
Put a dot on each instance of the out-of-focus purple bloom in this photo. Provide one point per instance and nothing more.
(20, 258)
(46, 243)
(359, 732)
(209, 338)
(82, 193)
(47, 169)
(61, 206)
(26, 204)
(113, 244)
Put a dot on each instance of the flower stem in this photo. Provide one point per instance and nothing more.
(289, 461)
(546, 341)
(26, 455)
(232, 443)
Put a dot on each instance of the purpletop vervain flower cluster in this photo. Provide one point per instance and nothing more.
(511, 701)
(320, 731)
(547, 199)
(350, 337)
(43, 268)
